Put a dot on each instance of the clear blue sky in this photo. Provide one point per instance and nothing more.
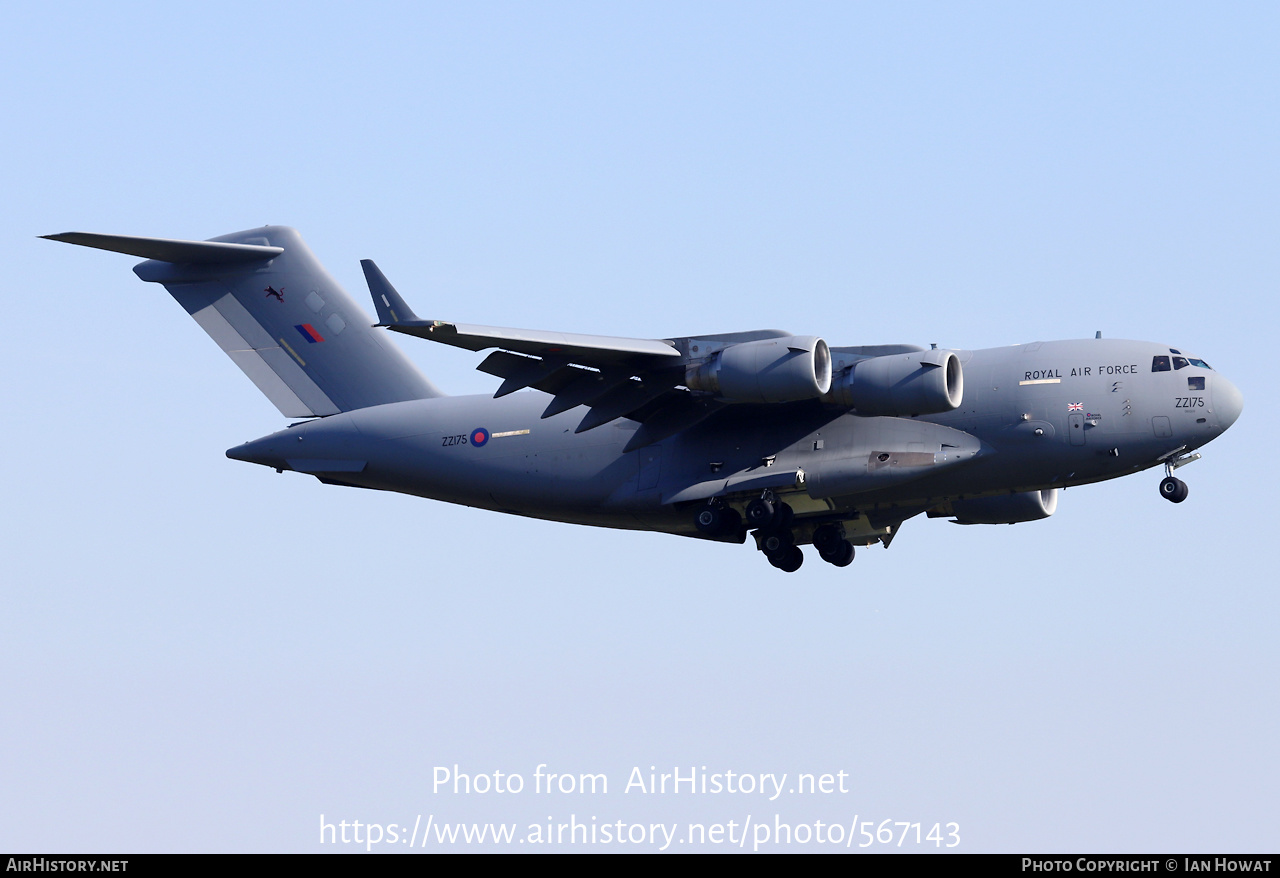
(200, 655)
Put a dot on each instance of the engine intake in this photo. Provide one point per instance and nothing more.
(898, 385)
(770, 370)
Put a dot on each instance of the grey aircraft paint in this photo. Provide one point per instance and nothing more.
(766, 434)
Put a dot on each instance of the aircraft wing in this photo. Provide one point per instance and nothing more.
(394, 313)
(538, 343)
(614, 377)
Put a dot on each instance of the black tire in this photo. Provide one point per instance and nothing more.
(710, 520)
(826, 539)
(778, 542)
(760, 513)
(732, 524)
(1174, 490)
(783, 515)
(788, 561)
(840, 554)
(845, 557)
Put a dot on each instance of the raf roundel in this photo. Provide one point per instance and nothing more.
(479, 436)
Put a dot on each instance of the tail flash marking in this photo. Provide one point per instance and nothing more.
(309, 333)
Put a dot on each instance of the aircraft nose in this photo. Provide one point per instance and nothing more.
(1228, 401)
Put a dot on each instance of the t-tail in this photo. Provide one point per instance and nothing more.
(271, 306)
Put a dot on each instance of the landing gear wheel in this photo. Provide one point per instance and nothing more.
(709, 520)
(788, 561)
(1174, 490)
(732, 526)
(832, 546)
(760, 513)
(840, 555)
(828, 538)
(768, 516)
(776, 543)
(716, 521)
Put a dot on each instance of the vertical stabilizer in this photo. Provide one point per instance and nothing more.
(271, 306)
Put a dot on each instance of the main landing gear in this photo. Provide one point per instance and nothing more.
(1171, 489)
(772, 521)
(832, 546)
(717, 520)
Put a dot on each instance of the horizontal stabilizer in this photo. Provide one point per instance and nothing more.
(269, 304)
(171, 250)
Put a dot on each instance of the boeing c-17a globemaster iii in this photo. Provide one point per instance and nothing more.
(765, 434)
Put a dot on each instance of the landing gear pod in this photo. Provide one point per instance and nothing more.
(900, 385)
(770, 370)
(1007, 508)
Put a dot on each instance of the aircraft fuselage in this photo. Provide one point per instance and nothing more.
(718, 436)
(1033, 417)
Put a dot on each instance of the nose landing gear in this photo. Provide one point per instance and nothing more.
(1171, 489)
(1174, 490)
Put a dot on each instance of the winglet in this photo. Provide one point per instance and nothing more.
(391, 306)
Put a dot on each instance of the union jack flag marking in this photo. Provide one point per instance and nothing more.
(1075, 406)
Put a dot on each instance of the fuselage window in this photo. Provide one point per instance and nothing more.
(1159, 364)
(1180, 363)
(1195, 383)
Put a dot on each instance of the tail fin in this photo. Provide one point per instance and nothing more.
(270, 305)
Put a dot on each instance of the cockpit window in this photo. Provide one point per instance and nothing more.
(1159, 364)
(1201, 363)
(1195, 383)
(1180, 363)
(1173, 351)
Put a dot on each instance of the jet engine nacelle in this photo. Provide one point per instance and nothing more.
(785, 369)
(1007, 508)
(900, 385)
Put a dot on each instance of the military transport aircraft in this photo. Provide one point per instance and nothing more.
(714, 436)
